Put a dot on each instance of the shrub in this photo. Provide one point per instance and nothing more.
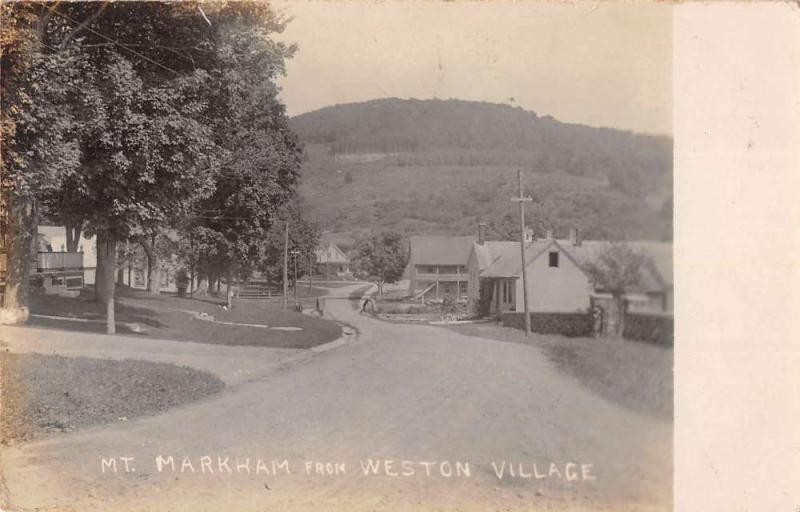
(657, 329)
(565, 324)
(182, 277)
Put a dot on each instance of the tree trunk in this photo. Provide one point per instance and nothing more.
(191, 280)
(202, 284)
(153, 274)
(23, 224)
(623, 307)
(228, 291)
(120, 276)
(106, 267)
(99, 275)
(616, 316)
(153, 263)
(73, 235)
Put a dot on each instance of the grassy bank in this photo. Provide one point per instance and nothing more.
(637, 376)
(49, 393)
(176, 318)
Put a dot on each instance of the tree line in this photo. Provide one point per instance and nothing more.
(147, 123)
(468, 133)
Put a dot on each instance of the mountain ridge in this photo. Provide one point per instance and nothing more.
(441, 166)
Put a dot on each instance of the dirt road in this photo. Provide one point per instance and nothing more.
(433, 416)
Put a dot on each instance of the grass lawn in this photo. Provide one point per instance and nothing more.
(49, 393)
(329, 284)
(636, 375)
(165, 317)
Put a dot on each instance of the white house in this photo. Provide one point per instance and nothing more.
(331, 260)
(56, 270)
(557, 281)
(437, 266)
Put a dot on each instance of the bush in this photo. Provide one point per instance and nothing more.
(182, 278)
(449, 306)
(405, 309)
(657, 329)
(565, 324)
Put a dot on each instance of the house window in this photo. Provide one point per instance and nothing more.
(74, 282)
(553, 259)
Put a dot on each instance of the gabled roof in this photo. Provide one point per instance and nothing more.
(440, 250)
(506, 263)
(330, 254)
(488, 252)
(501, 259)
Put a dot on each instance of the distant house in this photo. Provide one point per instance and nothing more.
(557, 281)
(438, 266)
(332, 261)
(55, 270)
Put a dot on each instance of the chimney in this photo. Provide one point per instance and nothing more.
(549, 234)
(481, 225)
(528, 235)
(575, 237)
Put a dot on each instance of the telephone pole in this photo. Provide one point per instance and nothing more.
(285, 265)
(294, 254)
(522, 200)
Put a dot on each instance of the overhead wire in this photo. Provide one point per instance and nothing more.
(103, 36)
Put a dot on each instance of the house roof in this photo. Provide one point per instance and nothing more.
(330, 253)
(501, 259)
(659, 256)
(440, 250)
(505, 258)
(488, 252)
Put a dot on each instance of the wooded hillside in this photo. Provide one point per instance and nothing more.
(465, 133)
(432, 166)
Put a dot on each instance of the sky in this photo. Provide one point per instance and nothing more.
(600, 64)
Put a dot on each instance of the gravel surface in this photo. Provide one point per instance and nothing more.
(396, 392)
(50, 393)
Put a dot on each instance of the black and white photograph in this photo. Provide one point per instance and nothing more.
(358, 256)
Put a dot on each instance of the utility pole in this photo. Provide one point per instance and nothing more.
(522, 200)
(285, 265)
(310, 273)
(295, 253)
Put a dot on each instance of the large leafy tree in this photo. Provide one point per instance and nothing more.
(147, 158)
(39, 130)
(164, 82)
(617, 270)
(260, 174)
(304, 236)
(381, 257)
(143, 126)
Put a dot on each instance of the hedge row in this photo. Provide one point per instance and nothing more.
(650, 328)
(565, 324)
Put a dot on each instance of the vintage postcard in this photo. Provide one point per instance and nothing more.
(337, 256)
